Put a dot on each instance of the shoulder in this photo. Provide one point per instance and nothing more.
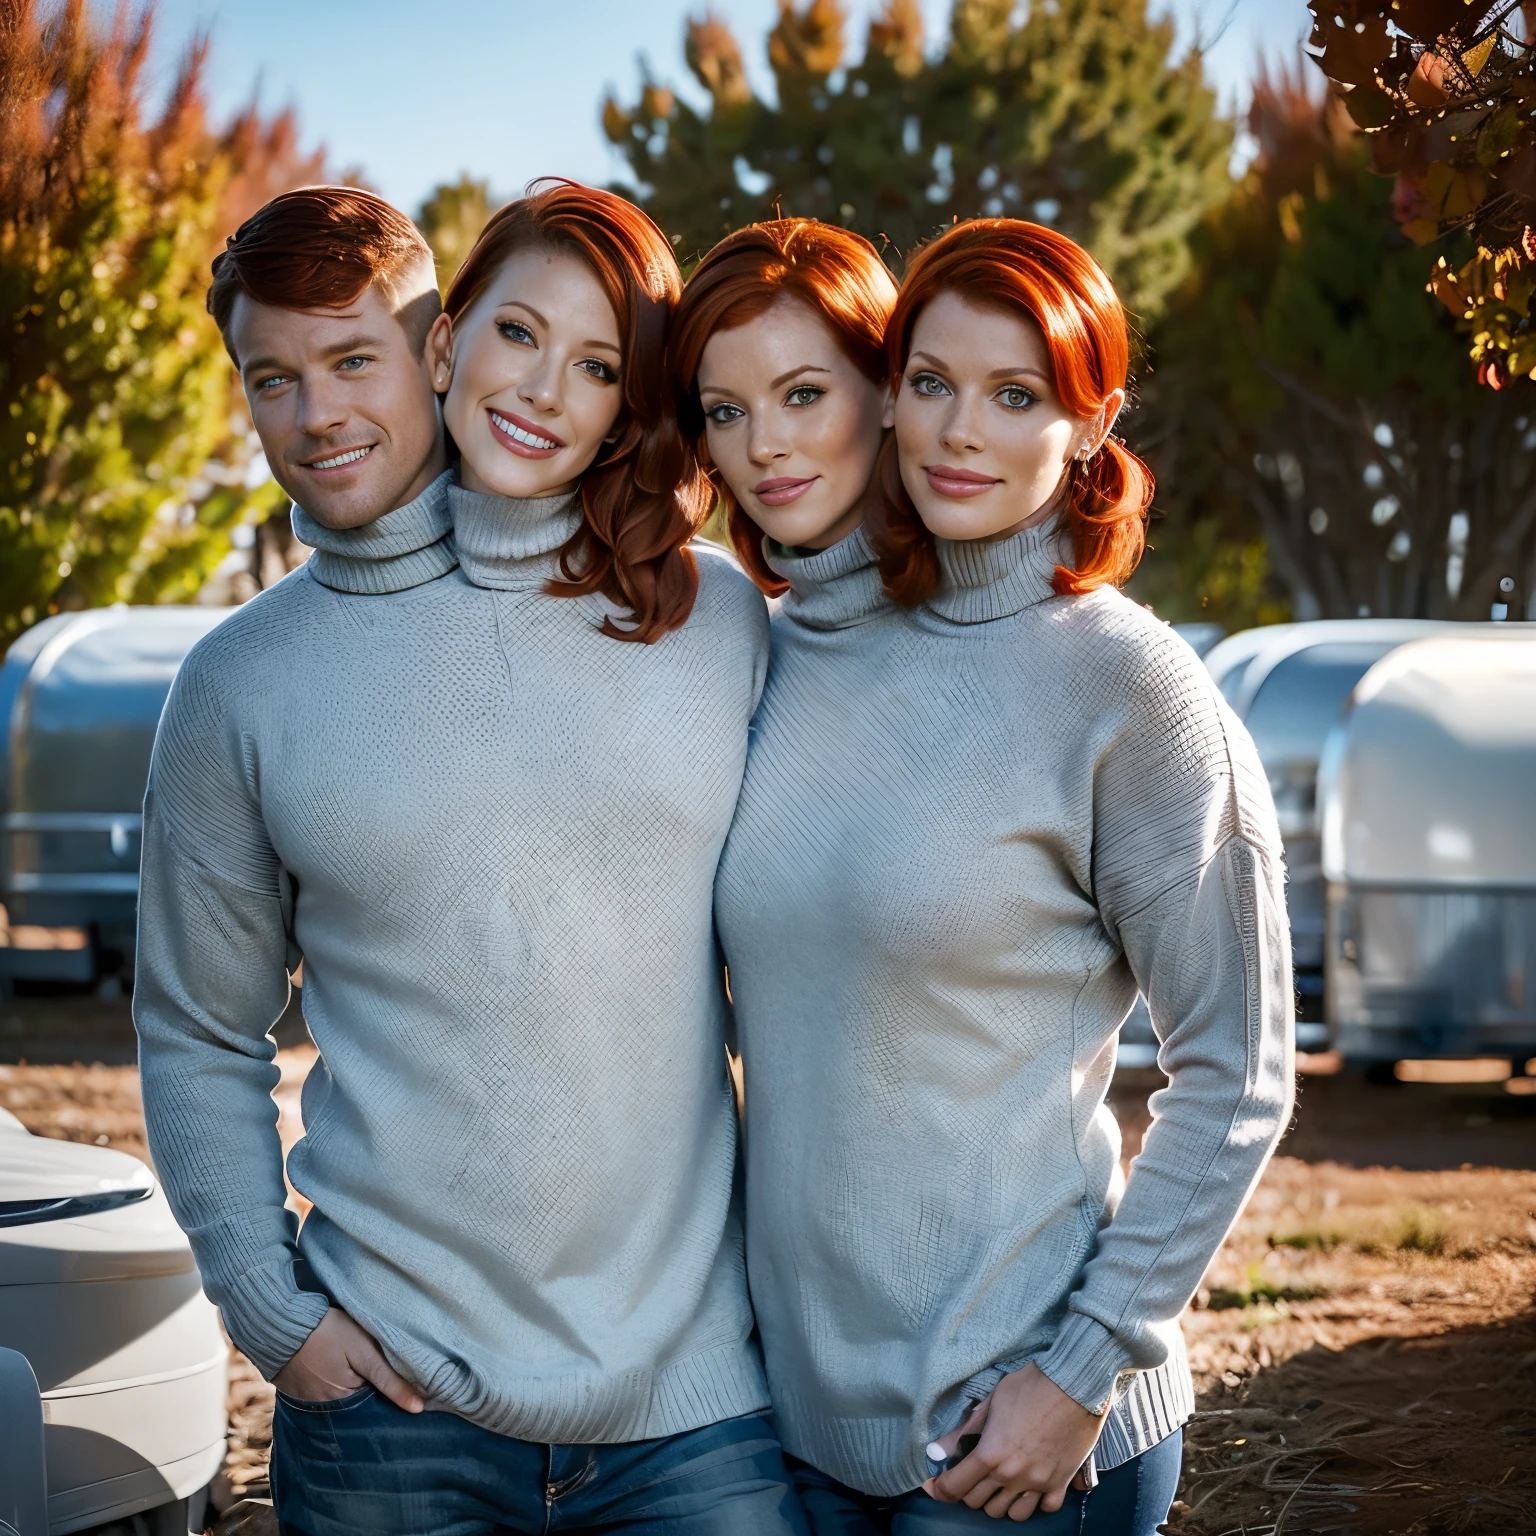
(260, 641)
(727, 595)
(1126, 655)
(1166, 720)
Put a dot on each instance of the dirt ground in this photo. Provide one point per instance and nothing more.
(1364, 1344)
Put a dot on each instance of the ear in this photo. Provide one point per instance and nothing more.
(440, 353)
(1101, 424)
(888, 411)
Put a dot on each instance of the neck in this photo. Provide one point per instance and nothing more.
(407, 546)
(436, 462)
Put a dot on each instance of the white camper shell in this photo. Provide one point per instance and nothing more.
(113, 1367)
(1428, 794)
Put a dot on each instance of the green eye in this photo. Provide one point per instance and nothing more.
(928, 384)
(1016, 397)
(724, 414)
(804, 394)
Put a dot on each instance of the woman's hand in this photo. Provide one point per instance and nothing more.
(1034, 1439)
(338, 1358)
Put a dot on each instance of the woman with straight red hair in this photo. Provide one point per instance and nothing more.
(778, 357)
(971, 828)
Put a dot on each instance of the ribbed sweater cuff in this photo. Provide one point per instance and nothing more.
(253, 1283)
(269, 1317)
(1085, 1361)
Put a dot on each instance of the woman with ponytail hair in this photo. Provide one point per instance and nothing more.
(972, 826)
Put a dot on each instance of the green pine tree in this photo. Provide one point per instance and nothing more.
(1307, 398)
(1075, 113)
(124, 458)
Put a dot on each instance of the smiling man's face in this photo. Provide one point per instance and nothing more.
(343, 402)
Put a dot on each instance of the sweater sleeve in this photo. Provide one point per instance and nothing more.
(1188, 878)
(212, 979)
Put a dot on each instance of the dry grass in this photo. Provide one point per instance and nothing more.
(1364, 1344)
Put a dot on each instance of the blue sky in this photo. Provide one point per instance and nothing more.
(413, 92)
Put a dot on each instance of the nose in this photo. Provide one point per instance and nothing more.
(765, 442)
(541, 388)
(961, 431)
(322, 407)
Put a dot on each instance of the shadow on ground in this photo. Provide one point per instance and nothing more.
(1373, 1440)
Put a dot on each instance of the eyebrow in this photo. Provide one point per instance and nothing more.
(794, 373)
(997, 373)
(597, 346)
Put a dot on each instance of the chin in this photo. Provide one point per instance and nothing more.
(521, 479)
(961, 521)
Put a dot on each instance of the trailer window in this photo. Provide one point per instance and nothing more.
(1302, 698)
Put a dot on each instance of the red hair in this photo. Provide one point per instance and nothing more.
(645, 495)
(319, 248)
(1054, 283)
(837, 274)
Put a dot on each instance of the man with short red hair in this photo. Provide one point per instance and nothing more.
(336, 779)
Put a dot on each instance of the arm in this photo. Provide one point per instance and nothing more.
(1187, 876)
(213, 957)
(1189, 879)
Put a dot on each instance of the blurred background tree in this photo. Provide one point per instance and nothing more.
(126, 460)
(1310, 400)
(1074, 113)
(451, 219)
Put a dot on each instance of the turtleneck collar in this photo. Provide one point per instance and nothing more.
(832, 588)
(404, 548)
(982, 579)
(507, 542)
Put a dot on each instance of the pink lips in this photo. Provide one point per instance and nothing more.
(524, 450)
(958, 484)
(782, 491)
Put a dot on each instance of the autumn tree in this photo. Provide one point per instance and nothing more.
(125, 461)
(1446, 92)
(1307, 394)
(1074, 113)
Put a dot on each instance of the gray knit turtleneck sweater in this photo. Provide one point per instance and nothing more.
(965, 835)
(491, 832)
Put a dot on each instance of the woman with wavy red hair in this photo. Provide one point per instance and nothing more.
(971, 827)
(778, 357)
(625, 666)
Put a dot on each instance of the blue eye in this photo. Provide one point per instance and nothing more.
(724, 414)
(352, 364)
(266, 385)
(1015, 397)
(515, 330)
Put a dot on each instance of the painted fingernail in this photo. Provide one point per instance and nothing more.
(936, 1452)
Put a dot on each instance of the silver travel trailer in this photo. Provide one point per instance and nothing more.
(80, 697)
(113, 1367)
(1289, 684)
(1429, 849)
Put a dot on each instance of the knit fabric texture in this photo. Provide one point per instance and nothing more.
(491, 833)
(965, 836)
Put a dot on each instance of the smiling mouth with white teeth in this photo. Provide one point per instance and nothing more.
(341, 460)
(521, 439)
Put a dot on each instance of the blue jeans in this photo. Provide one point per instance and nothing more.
(359, 1466)
(1131, 1500)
